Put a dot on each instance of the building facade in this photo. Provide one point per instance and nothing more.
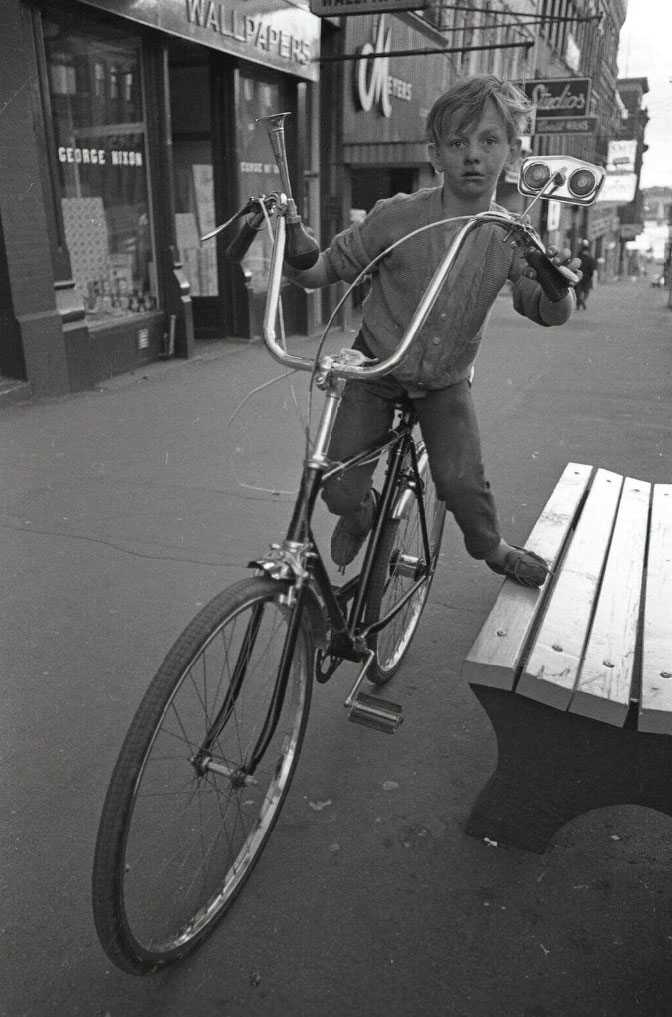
(375, 145)
(129, 130)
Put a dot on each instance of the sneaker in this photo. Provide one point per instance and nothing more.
(525, 567)
(350, 532)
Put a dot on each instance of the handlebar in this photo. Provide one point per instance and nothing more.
(553, 280)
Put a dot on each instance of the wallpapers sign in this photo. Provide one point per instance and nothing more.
(269, 32)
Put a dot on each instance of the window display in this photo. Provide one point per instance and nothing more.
(101, 150)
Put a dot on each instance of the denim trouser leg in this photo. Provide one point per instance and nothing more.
(448, 422)
(364, 419)
(450, 430)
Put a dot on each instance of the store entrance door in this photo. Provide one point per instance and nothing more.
(370, 185)
(194, 188)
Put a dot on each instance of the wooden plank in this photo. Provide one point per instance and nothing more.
(655, 708)
(551, 669)
(604, 684)
(494, 657)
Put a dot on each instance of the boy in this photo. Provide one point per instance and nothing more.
(472, 130)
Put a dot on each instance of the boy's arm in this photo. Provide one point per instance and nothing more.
(320, 274)
(530, 300)
(352, 250)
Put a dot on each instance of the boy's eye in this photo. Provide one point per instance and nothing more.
(456, 143)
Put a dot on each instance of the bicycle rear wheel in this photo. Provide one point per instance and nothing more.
(184, 820)
(400, 562)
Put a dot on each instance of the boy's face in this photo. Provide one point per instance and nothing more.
(472, 158)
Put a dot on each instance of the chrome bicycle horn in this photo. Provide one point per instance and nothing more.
(302, 250)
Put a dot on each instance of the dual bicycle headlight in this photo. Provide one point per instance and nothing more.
(566, 179)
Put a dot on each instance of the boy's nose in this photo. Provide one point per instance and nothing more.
(472, 153)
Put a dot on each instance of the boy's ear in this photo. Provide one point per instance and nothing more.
(435, 157)
(515, 148)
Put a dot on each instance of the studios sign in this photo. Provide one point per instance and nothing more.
(561, 105)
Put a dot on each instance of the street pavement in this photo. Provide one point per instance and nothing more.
(124, 510)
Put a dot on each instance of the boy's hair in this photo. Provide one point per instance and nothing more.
(464, 102)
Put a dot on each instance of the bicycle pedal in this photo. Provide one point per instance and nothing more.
(377, 713)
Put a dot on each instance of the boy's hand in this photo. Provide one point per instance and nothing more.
(560, 257)
(564, 257)
(553, 271)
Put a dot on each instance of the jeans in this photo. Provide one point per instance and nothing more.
(450, 430)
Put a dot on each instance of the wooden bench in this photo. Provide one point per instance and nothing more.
(576, 678)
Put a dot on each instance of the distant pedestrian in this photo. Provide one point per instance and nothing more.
(588, 267)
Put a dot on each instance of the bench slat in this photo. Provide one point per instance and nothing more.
(655, 709)
(603, 687)
(550, 672)
(494, 656)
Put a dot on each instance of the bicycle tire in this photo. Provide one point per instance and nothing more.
(399, 563)
(177, 840)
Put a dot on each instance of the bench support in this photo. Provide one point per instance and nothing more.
(552, 768)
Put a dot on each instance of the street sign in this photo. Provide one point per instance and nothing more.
(622, 156)
(335, 8)
(565, 125)
(559, 97)
(560, 105)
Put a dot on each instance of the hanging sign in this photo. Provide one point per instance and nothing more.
(561, 105)
(622, 155)
(566, 125)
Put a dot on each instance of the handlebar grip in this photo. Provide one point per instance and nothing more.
(241, 243)
(549, 277)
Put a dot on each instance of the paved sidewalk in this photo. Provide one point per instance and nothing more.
(124, 509)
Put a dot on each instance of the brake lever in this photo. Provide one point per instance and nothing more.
(250, 205)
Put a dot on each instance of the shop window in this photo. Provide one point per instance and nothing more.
(101, 154)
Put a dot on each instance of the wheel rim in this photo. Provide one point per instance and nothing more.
(194, 832)
(407, 565)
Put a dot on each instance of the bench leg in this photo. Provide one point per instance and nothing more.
(553, 766)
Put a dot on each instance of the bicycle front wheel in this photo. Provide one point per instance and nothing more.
(188, 811)
(401, 562)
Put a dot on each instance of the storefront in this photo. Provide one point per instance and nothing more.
(386, 100)
(374, 146)
(136, 122)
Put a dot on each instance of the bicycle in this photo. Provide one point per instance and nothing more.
(208, 760)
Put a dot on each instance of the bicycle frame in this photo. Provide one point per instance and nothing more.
(299, 560)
